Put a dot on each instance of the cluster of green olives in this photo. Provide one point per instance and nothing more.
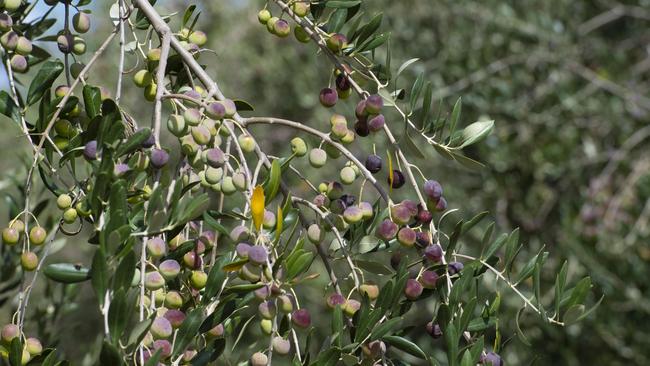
(32, 346)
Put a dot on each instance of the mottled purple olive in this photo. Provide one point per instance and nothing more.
(198, 279)
(433, 253)
(33, 346)
(423, 216)
(281, 28)
(215, 157)
(81, 22)
(173, 300)
(321, 200)
(301, 318)
(239, 233)
(23, 46)
(337, 42)
(267, 309)
(161, 328)
(369, 289)
(432, 189)
(301, 34)
(37, 235)
(263, 16)
(9, 40)
(259, 359)
(366, 210)
(328, 97)
(164, 346)
(29, 261)
(400, 214)
(342, 82)
(298, 146)
(159, 158)
(455, 267)
(10, 236)
(281, 346)
(263, 292)
(9, 332)
(192, 116)
(413, 289)
(257, 255)
(201, 135)
(395, 260)
(90, 150)
(428, 279)
(192, 260)
(5, 22)
(350, 307)
(153, 281)
(386, 230)
(423, 239)
(65, 42)
(406, 236)
(335, 299)
(120, 170)
(231, 108)
(398, 179)
(376, 123)
(198, 38)
(441, 205)
(215, 111)
(433, 330)
(18, 63)
(353, 214)
(491, 359)
(317, 158)
(242, 250)
(373, 163)
(285, 303)
(374, 104)
(174, 316)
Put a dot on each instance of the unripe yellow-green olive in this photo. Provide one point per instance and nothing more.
(263, 16)
(78, 46)
(142, 78)
(247, 143)
(270, 24)
(29, 261)
(63, 201)
(300, 8)
(198, 38)
(37, 235)
(23, 46)
(76, 68)
(298, 146)
(150, 92)
(11, 5)
(70, 215)
(10, 236)
(301, 35)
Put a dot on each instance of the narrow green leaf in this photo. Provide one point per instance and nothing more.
(66, 272)
(455, 116)
(44, 80)
(273, 183)
(406, 346)
(8, 107)
(92, 100)
(110, 355)
(125, 272)
(342, 3)
(337, 20)
(405, 65)
(99, 275)
(476, 132)
(188, 330)
(118, 315)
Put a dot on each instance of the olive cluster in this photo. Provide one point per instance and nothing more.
(32, 346)
(17, 46)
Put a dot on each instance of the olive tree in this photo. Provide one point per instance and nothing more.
(201, 236)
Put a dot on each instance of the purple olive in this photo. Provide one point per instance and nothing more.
(342, 82)
(120, 170)
(433, 253)
(400, 214)
(242, 250)
(361, 128)
(413, 289)
(376, 123)
(301, 318)
(90, 150)
(398, 179)
(423, 216)
(428, 279)
(159, 158)
(395, 260)
(161, 328)
(360, 111)
(328, 97)
(257, 254)
(267, 309)
(215, 110)
(373, 163)
(455, 267)
(215, 157)
(149, 142)
(386, 230)
(374, 104)
(492, 359)
(433, 189)
(175, 317)
(169, 269)
(423, 239)
(406, 236)
(335, 299)
(441, 205)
